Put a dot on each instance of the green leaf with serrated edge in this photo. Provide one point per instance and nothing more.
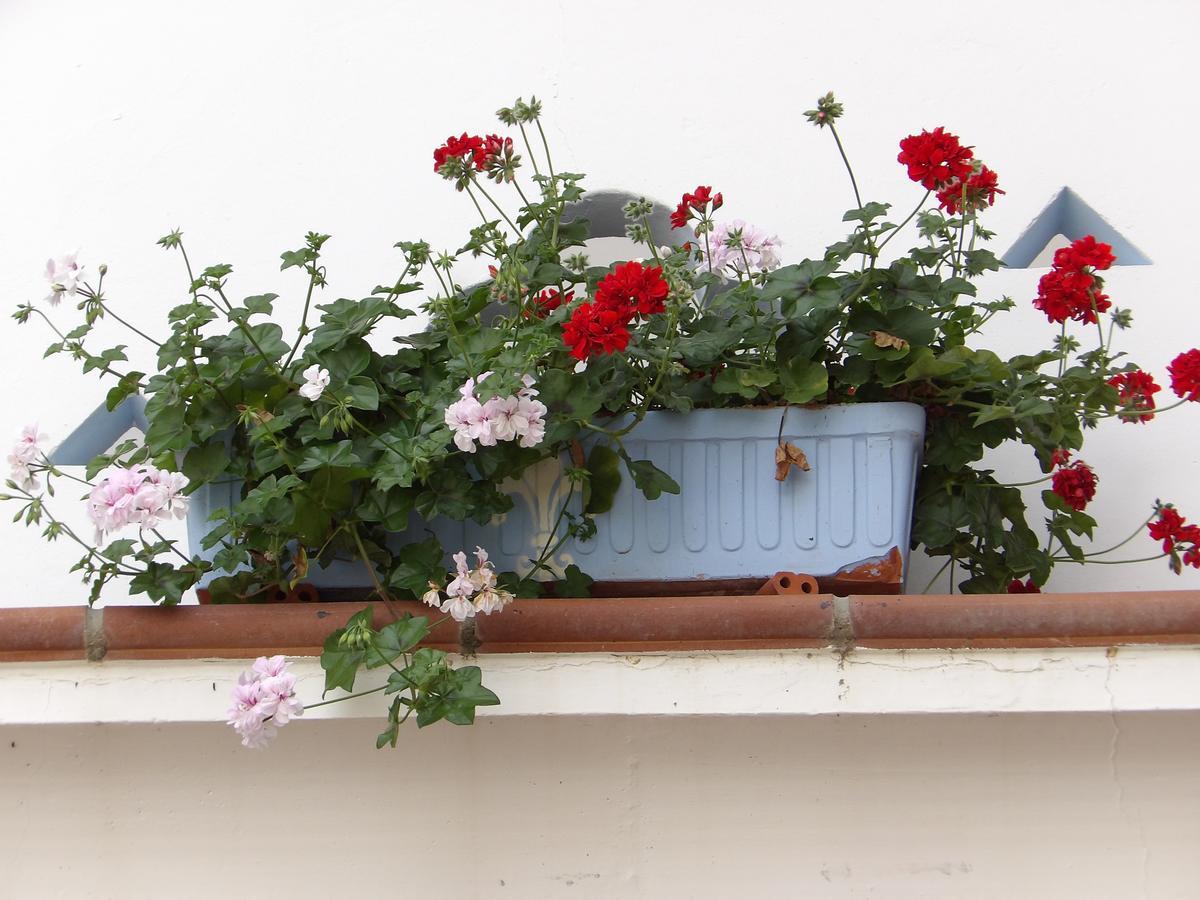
(397, 638)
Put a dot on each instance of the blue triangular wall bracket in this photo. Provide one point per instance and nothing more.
(99, 431)
(1066, 214)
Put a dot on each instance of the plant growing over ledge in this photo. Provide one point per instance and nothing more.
(340, 444)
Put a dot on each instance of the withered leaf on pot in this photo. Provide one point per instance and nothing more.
(787, 455)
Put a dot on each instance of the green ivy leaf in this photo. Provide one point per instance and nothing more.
(575, 583)
(652, 481)
(803, 380)
(337, 455)
(397, 638)
(604, 479)
(361, 393)
(204, 463)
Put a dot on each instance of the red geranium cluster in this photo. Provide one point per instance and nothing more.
(1017, 586)
(602, 326)
(1185, 375)
(1075, 483)
(974, 193)
(470, 149)
(936, 158)
(695, 202)
(1071, 289)
(547, 301)
(1169, 528)
(1136, 390)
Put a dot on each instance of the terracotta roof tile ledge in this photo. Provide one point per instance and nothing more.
(621, 625)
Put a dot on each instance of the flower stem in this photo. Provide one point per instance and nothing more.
(1136, 532)
(312, 283)
(846, 162)
(896, 230)
(309, 706)
(108, 311)
(379, 589)
(937, 575)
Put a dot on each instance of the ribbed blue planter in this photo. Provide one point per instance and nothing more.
(731, 518)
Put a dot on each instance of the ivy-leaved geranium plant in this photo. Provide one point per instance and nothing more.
(338, 441)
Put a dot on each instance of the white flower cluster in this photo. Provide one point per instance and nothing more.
(519, 417)
(736, 244)
(65, 276)
(139, 495)
(316, 380)
(263, 698)
(472, 590)
(24, 453)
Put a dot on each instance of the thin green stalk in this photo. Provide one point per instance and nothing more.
(529, 148)
(1136, 532)
(846, 162)
(312, 283)
(896, 230)
(1108, 562)
(308, 706)
(108, 312)
(937, 575)
(540, 563)
(499, 209)
(379, 589)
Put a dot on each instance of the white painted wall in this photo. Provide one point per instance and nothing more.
(900, 808)
(248, 124)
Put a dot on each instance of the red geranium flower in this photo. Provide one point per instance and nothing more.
(547, 301)
(466, 145)
(493, 146)
(977, 192)
(1136, 390)
(1070, 294)
(1185, 375)
(1060, 457)
(935, 158)
(697, 201)
(1017, 586)
(682, 214)
(632, 288)
(1168, 527)
(1086, 251)
(593, 330)
(1076, 484)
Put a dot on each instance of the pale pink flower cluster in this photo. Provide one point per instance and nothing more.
(471, 591)
(139, 495)
(65, 276)
(734, 244)
(520, 417)
(263, 698)
(24, 453)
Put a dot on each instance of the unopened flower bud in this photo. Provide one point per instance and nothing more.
(828, 109)
(103, 268)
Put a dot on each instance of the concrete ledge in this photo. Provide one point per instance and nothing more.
(757, 682)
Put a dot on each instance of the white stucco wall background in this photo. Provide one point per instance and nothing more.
(248, 124)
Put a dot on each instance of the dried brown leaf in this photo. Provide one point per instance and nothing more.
(886, 341)
(787, 455)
